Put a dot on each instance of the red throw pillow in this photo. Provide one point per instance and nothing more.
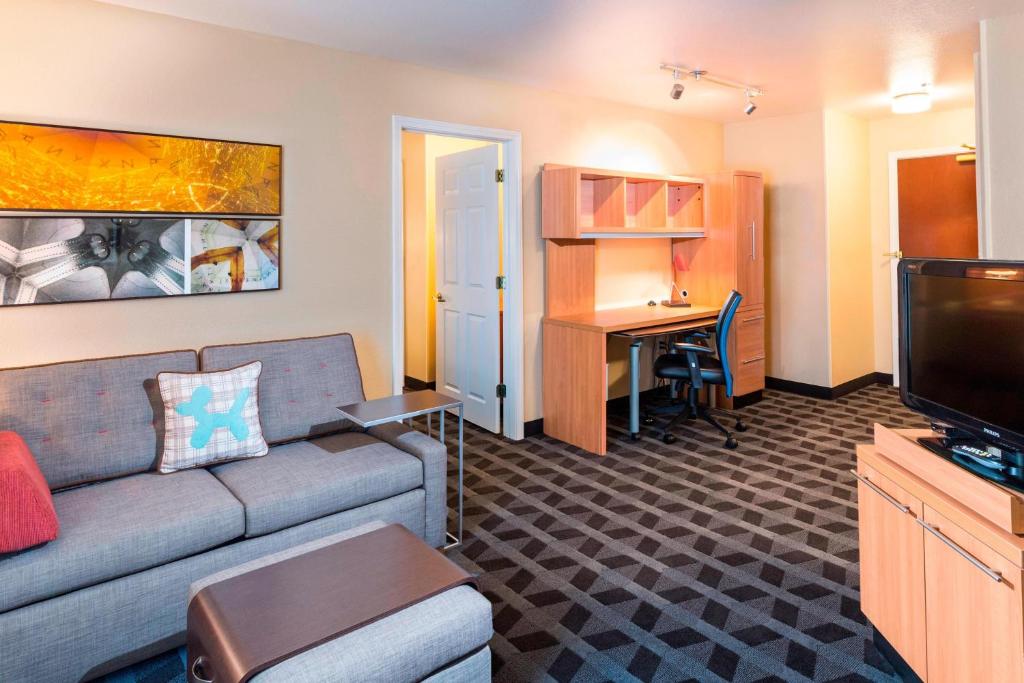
(27, 517)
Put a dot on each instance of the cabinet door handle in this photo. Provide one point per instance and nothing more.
(756, 317)
(871, 485)
(753, 241)
(955, 547)
(753, 360)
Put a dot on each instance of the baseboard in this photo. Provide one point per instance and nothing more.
(883, 378)
(413, 384)
(533, 427)
(745, 400)
(827, 393)
(621, 404)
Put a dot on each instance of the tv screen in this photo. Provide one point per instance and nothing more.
(962, 344)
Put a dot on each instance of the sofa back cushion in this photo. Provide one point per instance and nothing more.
(90, 420)
(302, 384)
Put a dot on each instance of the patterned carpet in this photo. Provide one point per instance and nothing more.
(672, 562)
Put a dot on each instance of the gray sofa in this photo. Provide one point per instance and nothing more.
(112, 589)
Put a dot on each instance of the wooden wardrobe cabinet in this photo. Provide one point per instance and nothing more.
(732, 257)
(940, 579)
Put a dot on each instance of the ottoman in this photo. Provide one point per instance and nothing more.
(440, 635)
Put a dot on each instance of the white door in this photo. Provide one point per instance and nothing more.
(467, 249)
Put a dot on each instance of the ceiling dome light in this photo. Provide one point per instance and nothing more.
(912, 102)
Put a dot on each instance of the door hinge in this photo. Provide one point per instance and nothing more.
(499, 175)
(500, 282)
(501, 390)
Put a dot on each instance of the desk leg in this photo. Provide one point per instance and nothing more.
(634, 389)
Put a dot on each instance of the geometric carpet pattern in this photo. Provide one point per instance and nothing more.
(680, 562)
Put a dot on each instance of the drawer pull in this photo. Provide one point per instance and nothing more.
(871, 485)
(756, 317)
(989, 572)
(753, 360)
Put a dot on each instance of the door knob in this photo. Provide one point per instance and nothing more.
(440, 298)
(893, 254)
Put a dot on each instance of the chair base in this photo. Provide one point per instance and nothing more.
(690, 410)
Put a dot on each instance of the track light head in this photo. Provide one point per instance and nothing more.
(677, 91)
(750, 107)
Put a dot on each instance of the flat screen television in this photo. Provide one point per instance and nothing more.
(961, 327)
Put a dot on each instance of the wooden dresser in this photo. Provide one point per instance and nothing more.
(941, 560)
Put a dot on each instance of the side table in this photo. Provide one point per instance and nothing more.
(405, 407)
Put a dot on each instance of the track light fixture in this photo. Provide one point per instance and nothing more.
(751, 107)
(681, 72)
(677, 87)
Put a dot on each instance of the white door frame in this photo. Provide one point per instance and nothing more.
(894, 236)
(512, 258)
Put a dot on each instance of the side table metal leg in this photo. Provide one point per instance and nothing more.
(430, 421)
(460, 473)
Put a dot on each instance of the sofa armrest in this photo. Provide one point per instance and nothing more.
(434, 457)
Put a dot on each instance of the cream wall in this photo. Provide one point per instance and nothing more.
(851, 338)
(419, 347)
(790, 151)
(111, 67)
(1001, 107)
(931, 130)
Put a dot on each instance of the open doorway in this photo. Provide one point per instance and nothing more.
(933, 212)
(458, 285)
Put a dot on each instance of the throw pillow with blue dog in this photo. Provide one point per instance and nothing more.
(210, 417)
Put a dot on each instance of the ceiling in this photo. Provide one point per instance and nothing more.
(806, 54)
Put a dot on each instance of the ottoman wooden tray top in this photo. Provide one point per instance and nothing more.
(247, 623)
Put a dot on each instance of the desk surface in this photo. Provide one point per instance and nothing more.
(632, 317)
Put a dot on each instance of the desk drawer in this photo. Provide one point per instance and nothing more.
(748, 354)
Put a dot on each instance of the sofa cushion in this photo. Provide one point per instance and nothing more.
(306, 480)
(89, 420)
(120, 527)
(302, 384)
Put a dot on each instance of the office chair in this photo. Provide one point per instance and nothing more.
(693, 364)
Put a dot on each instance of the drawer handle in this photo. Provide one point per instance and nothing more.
(991, 573)
(753, 360)
(871, 485)
(756, 317)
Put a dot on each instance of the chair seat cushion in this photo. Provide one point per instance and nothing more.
(674, 366)
(121, 527)
(307, 480)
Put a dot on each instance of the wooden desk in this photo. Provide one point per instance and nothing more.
(575, 362)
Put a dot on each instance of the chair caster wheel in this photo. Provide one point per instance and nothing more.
(647, 420)
(731, 443)
(668, 438)
(740, 427)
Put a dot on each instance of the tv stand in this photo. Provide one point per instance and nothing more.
(940, 561)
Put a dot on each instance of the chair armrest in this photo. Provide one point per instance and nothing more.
(435, 472)
(693, 348)
(697, 334)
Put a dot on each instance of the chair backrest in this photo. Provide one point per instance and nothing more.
(722, 329)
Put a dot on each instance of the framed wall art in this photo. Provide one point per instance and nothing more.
(68, 169)
(56, 259)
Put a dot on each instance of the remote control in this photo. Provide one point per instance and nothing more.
(978, 455)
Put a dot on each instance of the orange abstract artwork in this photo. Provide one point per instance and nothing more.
(55, 168)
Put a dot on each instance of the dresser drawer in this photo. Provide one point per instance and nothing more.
(748, 354)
